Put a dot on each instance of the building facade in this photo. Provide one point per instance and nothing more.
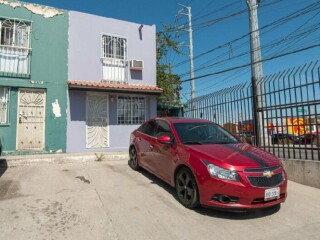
(112, 81)
(33, 78)
(72, 82)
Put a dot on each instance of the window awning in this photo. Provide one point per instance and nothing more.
(114, 87)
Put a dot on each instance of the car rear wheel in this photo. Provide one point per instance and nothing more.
(133, 162)
(187, 190)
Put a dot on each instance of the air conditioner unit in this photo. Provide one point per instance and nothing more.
(136, 64)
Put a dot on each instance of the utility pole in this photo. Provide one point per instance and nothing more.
(190, 55)
(256, 71)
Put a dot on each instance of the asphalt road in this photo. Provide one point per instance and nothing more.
(108, 200)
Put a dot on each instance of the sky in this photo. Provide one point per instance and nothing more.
(289, 35)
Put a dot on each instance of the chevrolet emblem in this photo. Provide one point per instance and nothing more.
(268, 174)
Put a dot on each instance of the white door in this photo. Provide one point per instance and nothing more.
(31, 119)
(97, 122)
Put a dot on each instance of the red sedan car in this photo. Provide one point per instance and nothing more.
(207, 165)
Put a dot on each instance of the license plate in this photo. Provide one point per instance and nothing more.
(271, 193)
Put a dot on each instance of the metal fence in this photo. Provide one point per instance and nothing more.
(289, 117)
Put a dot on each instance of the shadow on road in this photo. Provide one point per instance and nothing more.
(3, 166)
(217, 213)
(159, 182)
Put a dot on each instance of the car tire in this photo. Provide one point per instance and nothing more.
(134, 161)
(187, 189)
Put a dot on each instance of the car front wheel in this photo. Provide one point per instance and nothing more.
(133, 162)
(187, 190)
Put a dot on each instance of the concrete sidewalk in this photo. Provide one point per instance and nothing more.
(62, 157)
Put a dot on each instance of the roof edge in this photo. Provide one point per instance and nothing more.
(114, 87)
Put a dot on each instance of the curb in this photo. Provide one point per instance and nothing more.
(11, 161)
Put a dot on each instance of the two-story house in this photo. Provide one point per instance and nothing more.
(112, 81)
(33, 78)
(72, 82)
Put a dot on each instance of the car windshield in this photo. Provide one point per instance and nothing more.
(203, 133)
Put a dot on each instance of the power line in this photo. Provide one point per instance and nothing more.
(292, 38)
(249, 64)
(277, 22)
(271, 45)
(211, 22)
(224, 7)
(236, 74)
(274, 25)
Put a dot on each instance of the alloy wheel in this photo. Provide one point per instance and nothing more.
(186, 188)
(134, 163)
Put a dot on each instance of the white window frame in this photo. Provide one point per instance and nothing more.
(128, 120)
(114, 63)
(4, 105)
(123, 56)
(16, 30)
(15, 43)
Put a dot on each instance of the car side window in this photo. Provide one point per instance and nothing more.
(163, 128)
(149, 128)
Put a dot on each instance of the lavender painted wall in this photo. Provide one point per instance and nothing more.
(85, 33)
(119, 134)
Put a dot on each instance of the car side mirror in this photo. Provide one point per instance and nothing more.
(165, 139)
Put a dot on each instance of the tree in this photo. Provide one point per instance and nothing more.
(168, 81)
